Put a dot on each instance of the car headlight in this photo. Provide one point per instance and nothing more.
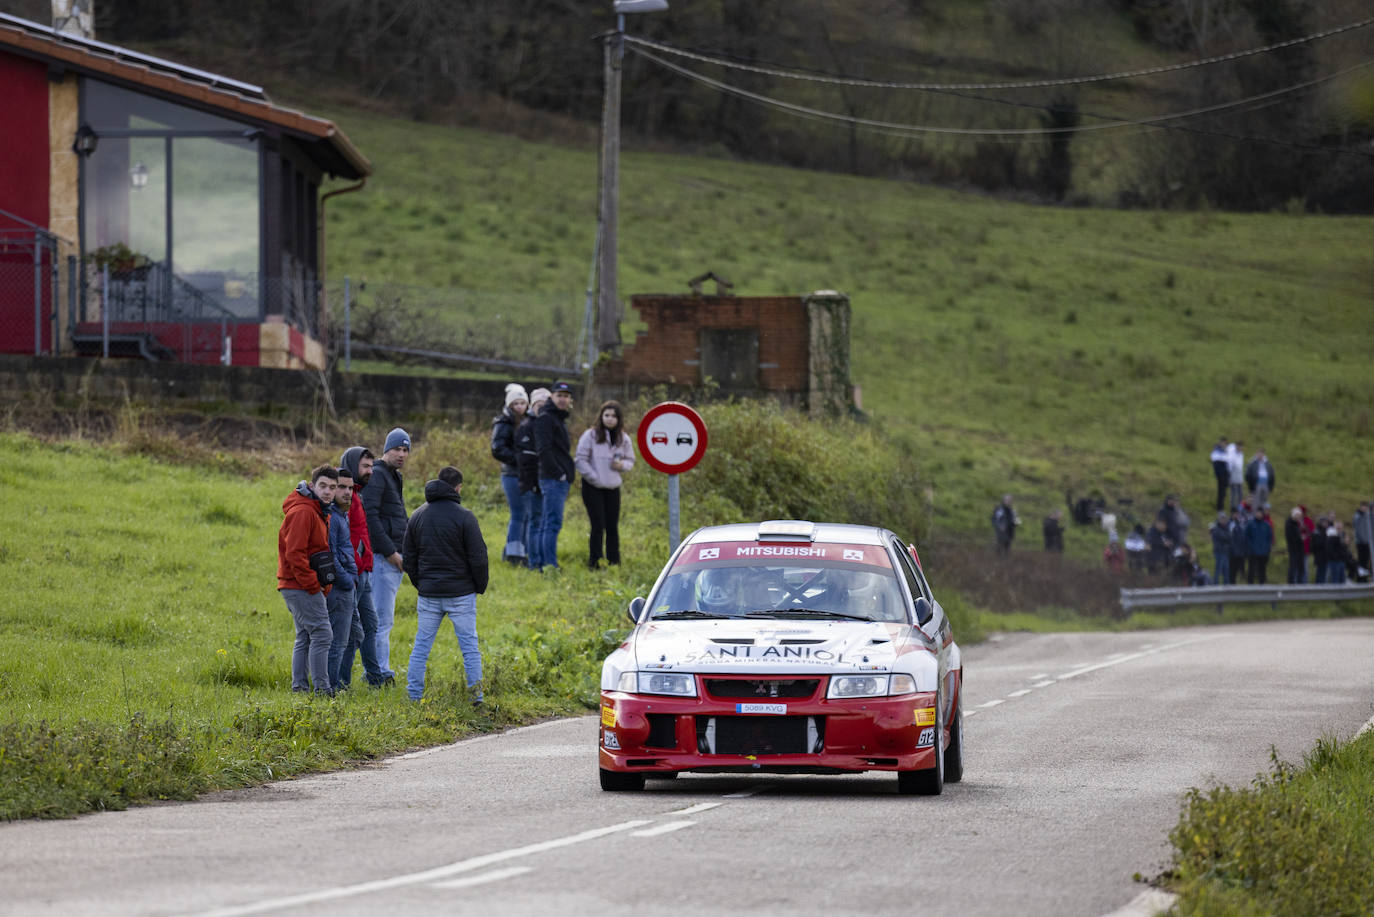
(843, 686)
(673, 683)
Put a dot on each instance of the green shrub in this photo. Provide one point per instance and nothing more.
(1297, 841)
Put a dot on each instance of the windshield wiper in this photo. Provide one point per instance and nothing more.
(686, 613)
(806, 613)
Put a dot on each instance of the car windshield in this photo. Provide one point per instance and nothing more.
(841, 582)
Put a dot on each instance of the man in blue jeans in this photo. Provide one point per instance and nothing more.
(385, 505)
(446, 559)
(556, 468)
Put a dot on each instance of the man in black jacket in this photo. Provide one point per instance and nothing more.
(385, 505)
(446, 559)
(556, 468)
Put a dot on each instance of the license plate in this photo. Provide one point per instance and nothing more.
(775, 709)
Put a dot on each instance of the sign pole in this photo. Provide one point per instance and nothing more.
(674, 515)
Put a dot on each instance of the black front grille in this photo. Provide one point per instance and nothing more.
(758, 735)
(762, 688)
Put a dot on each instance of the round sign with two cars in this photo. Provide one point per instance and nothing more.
(672, 437)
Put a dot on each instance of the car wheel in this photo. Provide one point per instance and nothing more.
(954, 752)
(616, 782)
(928, 782)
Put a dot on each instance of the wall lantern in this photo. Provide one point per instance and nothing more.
(138, 176)
(86, 140)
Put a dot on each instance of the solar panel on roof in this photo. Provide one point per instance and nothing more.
(125, 54)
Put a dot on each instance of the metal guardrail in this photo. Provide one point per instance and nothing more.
(1224, 595)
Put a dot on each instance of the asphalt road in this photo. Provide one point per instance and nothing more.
(1079, 747)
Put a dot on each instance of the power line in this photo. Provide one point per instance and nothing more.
(820, 77)
(1113, 122)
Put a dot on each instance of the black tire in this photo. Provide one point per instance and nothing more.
(616, 782)
(954, 752)
(928, 782)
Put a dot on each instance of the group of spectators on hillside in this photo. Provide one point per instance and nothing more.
(346, 539)
(1243, 537)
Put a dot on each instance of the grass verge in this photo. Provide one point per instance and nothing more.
(148, 654)
(1299, 841)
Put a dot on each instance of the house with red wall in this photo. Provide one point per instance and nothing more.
(151, 209)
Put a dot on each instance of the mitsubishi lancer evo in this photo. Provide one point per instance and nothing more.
(786, 647)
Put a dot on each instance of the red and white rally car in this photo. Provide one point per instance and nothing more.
(785, 647)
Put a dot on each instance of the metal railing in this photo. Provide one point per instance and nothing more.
(1177, 596)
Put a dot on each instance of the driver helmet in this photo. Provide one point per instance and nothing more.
(718, 590)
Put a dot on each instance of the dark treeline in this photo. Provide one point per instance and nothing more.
(427, 58)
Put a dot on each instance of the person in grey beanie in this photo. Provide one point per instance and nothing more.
(385, 505)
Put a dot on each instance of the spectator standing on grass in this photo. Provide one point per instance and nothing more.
(1220, 530)
(1259, 477)
(1320, 557)
(1235, 456)
(556, 468)
(446, 559)
(1363, 524)
(1004, 523)
(527, 465)
(1240, 545)
(304, 534)
(1259, 540)
(1293, 540)
(1221, 470)
(1176, 521)
(384, 502)
(1112, 555)
(1161, 547)
(1137, 548)
(1053, 531)
(604, 452)
(503, 450)
(363, 638)
(343, 598)
(1338, 553)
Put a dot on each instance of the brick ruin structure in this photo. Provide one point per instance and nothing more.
(791, 348)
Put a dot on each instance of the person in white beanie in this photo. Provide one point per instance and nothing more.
(528, 466)
(504, 451)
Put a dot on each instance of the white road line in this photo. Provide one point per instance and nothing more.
(664, 828)
(1127, 658)
(428, 875)
(426, 752)
(1022, 693)
(743, 794)
(495, 875)
(1043, 684)
(969, 713)
(993, 703)
(1038, 677)
(699, 807)
(1366, 727)
(1146, 904)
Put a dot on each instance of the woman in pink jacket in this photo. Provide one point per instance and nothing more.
(604, 452)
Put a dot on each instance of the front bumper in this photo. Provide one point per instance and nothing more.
(650, 733)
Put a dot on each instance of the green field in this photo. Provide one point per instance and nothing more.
(1008, 347)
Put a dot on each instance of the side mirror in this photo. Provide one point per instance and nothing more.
(636, 609)
(923, 610)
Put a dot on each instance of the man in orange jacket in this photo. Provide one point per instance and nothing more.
(303, 533)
